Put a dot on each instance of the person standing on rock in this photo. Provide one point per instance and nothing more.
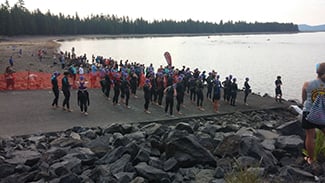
(247, 90)
(66, 92)
(55, 89)
(278, 91)
(310, 91)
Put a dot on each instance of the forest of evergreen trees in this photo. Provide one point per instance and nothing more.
(17, 20)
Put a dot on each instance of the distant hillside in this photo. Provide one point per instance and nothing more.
(306, 28)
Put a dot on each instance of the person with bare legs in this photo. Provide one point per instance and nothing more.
(310, 91)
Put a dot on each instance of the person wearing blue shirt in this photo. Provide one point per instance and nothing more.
(11, 61)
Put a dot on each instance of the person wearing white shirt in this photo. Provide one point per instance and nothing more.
(81, 70)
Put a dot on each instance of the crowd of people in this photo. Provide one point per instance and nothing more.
(172, 83)
(168, 83)
(121, 80)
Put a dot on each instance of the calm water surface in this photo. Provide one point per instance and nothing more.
(260, 57)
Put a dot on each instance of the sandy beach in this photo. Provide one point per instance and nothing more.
(30, 45)
(28, 60)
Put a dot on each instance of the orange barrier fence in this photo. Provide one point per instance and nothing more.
(40, 80)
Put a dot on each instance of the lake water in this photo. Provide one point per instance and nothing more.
(260, 57)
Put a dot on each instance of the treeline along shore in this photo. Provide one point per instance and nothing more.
(18, 20)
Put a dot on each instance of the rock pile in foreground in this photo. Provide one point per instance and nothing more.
(209, 149)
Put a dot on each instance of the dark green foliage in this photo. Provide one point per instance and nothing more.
(17, 20)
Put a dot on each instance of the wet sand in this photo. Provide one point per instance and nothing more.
(28, 60)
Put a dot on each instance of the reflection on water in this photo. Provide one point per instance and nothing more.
(260, 57)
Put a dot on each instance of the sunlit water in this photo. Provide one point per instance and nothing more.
(260, 57)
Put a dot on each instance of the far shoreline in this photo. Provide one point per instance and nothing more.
(60, 38)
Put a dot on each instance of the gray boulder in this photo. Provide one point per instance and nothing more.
(189, 152)
(250, 146)
(291, 128)
(292, 144)
(151, 173)
(25, 156)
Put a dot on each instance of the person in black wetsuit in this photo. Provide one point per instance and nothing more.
(160, 87)
(122, 94)
(278, 91)
(186, 79)
(107, 85)
(225, 89)
(180, 90)
(125, 88)
(170, 93)
(83, 96)
(66, 91)
(192, 83)
(117, 86)
(55, 89)
(233, 92)
(154, 89)
(216, 94)
(247, 90)
(147, 95)
(228, 89)
(199, 92)
(210, 80)
(134, 84)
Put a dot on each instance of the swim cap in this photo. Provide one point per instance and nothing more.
(56, 73)
(81, 78)
(147, 81)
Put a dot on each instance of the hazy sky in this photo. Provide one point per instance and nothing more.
(310, 12)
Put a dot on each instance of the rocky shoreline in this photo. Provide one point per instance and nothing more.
(265, 143)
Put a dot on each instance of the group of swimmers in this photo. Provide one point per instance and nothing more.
(125, 78)
(83, 95)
